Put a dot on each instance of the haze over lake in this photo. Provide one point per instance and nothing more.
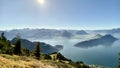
(100, 55)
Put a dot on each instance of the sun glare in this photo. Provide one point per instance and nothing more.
(41, 1)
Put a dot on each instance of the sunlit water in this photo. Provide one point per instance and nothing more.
(100, 55)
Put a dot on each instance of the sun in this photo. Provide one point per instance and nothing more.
(41, 1)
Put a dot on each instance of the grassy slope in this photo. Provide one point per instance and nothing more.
(8, 61)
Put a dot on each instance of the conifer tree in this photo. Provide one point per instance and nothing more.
(3, 37)
(5, 45)
(37, 51)
(17, 48)
(9, 48)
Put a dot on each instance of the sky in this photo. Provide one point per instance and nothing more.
(60, 14)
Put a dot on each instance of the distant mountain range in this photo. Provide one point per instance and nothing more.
(112, 31)
(42, 33)
(53, 33)
(46, 48)
(106, 40)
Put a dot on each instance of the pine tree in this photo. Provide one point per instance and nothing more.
(9, 48)
(37, 51)
(5, 45)
(17, 48)
(3, 37)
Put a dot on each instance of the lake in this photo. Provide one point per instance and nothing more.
(100, 55)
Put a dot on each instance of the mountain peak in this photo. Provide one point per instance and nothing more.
(81, 32)
(106, 40)
(109, 37)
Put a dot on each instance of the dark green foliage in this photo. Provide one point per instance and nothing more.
(47, 57)
(17, 48)
(3, 37)
(61, 57)
(26, 52)
(37, 51)
(9, 48)
(81, 64)
(5, 45)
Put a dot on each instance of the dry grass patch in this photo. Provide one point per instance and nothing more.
(7, 61)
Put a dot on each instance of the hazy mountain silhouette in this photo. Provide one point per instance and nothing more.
(109, 31)
(81, 32)
(53, 33)
(42, 33)
(46, 48)
(106, 40)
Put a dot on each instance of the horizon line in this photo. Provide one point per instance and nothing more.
(56, 29)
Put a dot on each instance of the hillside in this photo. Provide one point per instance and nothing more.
(46, 48)
(106, 40)
(8, 61)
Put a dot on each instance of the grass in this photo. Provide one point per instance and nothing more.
(58, 64)
(8, 61)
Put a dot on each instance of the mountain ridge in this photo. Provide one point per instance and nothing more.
(104, 40)
(54, 33)
(42, 33)
(46, 48)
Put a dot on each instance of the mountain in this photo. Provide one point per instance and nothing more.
(64, 34)
(106, 40)
(42, 33)
(114, 32)
(110, 31)
(46, 48)
(98, 35)
(81, 32)
(53, 33)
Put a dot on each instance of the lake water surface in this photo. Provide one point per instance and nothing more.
(100, 55)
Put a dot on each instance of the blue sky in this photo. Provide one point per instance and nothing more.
(60, 14)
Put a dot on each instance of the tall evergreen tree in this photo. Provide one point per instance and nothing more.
(37, 51)
(8, 48)
(3, 37)
(17, 48)
(5, 45)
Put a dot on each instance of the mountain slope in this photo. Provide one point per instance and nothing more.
(46, 48)
(106, 40)
(8, 61)
(81, 32)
